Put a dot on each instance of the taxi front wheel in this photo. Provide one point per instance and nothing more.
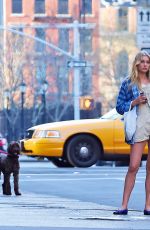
(83, 151)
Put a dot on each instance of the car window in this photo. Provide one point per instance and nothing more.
(111, 115)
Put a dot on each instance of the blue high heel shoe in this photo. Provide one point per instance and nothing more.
(121, 212)
(146, 212)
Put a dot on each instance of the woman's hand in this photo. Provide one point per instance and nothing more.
(139, 100)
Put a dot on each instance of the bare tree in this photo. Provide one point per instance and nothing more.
(23, 59)
(117, 46)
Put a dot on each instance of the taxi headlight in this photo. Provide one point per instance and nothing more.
(46, 134)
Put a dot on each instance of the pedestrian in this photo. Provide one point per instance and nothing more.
(135, 91)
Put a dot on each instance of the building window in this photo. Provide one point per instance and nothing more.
(64, 39)
(17, 28)
(62, 80)
(122, 63)
(16, 6)
(86, 40)
(86, 83)
(86, 6)
(39, 6)
(62, 6)
(122, 19)
(40, 33)
(17, 39)
(40, 71)
(16, 35)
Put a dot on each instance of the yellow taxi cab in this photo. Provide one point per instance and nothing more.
(79, 143)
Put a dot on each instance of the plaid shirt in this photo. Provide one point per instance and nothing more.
(127, 93)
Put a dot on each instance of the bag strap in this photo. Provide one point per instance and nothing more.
(130, 107)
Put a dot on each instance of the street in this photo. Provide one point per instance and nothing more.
(72, 198)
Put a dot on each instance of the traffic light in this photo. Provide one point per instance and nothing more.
(87, 103)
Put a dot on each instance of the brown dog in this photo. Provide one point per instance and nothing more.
(9, 163)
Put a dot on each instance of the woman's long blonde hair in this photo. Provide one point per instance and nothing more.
(134, 72)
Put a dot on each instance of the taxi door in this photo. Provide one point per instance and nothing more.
(120, 146)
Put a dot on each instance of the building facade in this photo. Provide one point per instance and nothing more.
(45, 19)
(36, 32)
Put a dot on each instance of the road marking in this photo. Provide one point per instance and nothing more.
(29, 178)
(65, 175)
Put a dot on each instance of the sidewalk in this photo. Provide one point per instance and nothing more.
(33, 210)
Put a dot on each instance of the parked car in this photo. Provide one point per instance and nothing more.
(79, 143)
(3, 143)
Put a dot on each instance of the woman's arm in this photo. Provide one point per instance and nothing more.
(141, 99)
(124, 101)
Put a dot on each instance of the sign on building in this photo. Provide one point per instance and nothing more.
(126, 3)
(143, 27)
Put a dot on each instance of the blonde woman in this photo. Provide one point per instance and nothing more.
(135, 91)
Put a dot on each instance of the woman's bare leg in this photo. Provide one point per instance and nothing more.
(147, 181)
(135, 160)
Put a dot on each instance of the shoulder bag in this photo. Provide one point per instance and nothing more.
(130, 118)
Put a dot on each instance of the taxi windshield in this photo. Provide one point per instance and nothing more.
(111, 115)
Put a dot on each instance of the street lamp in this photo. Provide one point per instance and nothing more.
(22, 90)
(44, 89)
(7, 107)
